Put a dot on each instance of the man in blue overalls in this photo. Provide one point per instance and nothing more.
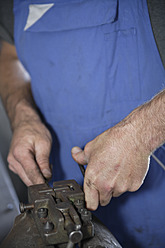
(91, 63)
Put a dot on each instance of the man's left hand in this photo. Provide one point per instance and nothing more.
(117, 161)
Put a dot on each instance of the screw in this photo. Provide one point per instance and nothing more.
(77, 227)
(85, 215)
(81, 210)
(71, 187)
(86, 212)
(42, 212)
(23, 207)
(78, 203)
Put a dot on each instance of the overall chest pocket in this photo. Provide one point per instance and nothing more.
(122, 62)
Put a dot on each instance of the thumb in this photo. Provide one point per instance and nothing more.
(79, 155)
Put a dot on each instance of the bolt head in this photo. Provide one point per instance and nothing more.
(42, 212)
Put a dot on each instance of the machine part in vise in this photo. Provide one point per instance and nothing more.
(57, 217)
(54, 217)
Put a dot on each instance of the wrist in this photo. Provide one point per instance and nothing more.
(155, 130)
(24, 113)
(149, 124)
(21, 107)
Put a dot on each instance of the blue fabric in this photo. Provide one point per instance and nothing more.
(91, 63)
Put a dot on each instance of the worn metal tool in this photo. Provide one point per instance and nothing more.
(57, 217)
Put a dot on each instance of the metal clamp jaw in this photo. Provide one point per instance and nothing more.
(59, 213)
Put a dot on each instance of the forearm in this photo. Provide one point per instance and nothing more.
(148, 121)
(15, 87)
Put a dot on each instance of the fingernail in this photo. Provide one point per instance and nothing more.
(47, 173)
(76, 149)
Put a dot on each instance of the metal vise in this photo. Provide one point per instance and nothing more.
(57, 217)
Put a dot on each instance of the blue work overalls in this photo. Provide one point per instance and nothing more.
(91, 63)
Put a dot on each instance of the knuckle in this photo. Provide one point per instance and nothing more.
(10, 158)
(49, 137)
(43, 147)
(43, 161)
(46, 135)
(122, 189)
(104, 202)
(46, 142)
(17, 151)
(135, 186)
(38, 180)
(22, 153)
(118, 192)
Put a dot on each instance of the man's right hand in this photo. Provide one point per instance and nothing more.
(31, 142)
(29, 152)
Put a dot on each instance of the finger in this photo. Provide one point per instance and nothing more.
(26, 159)
(105, 190)
(17, 169)
(91, 195)
(105, 197)
(42, 157)
(119, 190)
(117, 194)
(79, 155)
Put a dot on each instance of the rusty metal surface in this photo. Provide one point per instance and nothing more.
(57, 217)
(24, 234)
(102, 238)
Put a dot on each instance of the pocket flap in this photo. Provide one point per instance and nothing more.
(71, 15)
